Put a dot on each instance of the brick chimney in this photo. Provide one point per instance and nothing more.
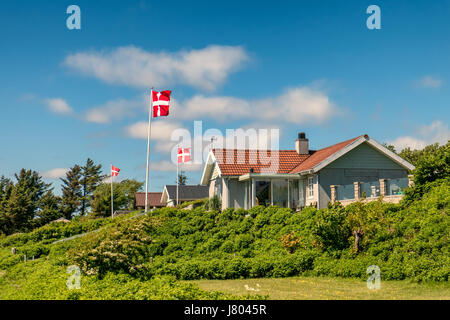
(302, 144)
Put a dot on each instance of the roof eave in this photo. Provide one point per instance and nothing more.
(405, 164)
(248, 176)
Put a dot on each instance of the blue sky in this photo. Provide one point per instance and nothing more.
(310, 66)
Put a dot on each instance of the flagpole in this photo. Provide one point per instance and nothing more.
(112, 194)
(148, 148)
(178, 178)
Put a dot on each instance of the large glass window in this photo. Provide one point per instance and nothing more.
(218, 187)
(280, 193)
(301, 184)
(310, 187)
(262, 193)
(293, 196)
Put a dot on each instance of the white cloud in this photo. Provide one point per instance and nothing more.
(58, 105)
(408, 142)
(114, 110)
(436, 132)
(205, 68)
(430, 82)
(161, 133)
(299, 105)
(161, 130)
(54, 173)
(165, 165)
(219, 108)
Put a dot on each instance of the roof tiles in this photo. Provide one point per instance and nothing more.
(235, 162)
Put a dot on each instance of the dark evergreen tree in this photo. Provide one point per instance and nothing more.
(182, 179)
(71, 192)
(6, 186)
(49, 208)
(24, 199)
(91, 178)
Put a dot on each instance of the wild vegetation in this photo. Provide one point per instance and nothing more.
(29, 202)
(145, 256)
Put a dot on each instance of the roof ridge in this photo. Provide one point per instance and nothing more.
(349, 141)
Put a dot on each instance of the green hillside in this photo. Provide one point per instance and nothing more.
(144, 257)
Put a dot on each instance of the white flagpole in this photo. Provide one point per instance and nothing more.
(112, 194)
(148, 148)
(178, 178)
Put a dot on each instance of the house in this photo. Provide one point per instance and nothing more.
(154, 200)
(185, 193)
(346, 172)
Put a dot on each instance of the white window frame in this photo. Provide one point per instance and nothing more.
(310, 187)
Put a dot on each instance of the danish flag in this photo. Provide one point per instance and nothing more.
(114, 171)
(184, 155)
(161, 103)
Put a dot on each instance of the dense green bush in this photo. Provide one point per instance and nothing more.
(42, 280)
(409, 240)
(55, 231)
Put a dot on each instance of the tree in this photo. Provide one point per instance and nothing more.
(123, 197)
(91, 178)
(24, 199)
(49, 208)
(6, 186)
(71, 192)
(357, 220)
(331, 230)
(390, 147)
(182, 179)
(413, 156)
(433, 164)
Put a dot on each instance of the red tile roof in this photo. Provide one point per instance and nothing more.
(289, 160)
(241, 161)
(320, 155)
(154, 199)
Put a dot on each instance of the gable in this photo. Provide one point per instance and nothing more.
(364, 156)
(215, 172)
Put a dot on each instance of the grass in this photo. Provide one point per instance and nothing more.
(315, 288)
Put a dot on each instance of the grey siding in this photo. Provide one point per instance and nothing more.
(237, 193)
(365, 157)
(362, 164)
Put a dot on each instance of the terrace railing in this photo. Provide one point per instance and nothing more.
(345, 192)
(371, 189)
(396, 186)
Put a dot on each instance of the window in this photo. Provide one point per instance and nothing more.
(218, 187)
(310, 187)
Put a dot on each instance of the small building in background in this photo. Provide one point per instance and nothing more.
(154, 200)
(185, 193)
(62, 219)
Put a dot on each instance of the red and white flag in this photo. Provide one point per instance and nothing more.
(184, 155)
(114, 171)
(161, 103)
